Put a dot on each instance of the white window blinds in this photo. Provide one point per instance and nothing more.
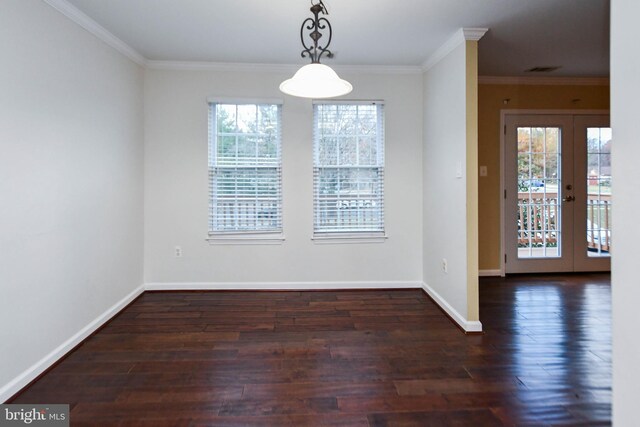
(348, 168)
(245, 185)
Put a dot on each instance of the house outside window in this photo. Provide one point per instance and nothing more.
(348, 169)
(245, 179)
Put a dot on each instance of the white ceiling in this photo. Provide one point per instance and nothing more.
(573, 34)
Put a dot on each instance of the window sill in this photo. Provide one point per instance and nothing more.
(341, 238)
(246, 239)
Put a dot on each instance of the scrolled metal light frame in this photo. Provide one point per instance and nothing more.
(312, 28)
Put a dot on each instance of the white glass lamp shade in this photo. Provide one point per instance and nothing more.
(316, 81)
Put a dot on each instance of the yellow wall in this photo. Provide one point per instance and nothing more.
(490, 102)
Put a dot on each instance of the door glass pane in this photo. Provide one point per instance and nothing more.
(538, 214)
(598, 191)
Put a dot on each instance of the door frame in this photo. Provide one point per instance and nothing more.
(503, 114)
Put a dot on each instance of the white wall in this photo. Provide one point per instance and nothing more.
(625, 93)
(176, 187)
(71, 185)
(444, 194)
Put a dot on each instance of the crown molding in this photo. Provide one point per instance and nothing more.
(274, 68)
(462, 35)
(473, 34)
(80, 18)
(218, 66)
(543, 81)
(379, 69)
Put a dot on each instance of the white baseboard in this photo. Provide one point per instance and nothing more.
(466, 325)
(490, 273)
(276, 286)
(43, 364)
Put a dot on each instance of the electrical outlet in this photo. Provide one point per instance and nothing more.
(445, 266)
(178, 252)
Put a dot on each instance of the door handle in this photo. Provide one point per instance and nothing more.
(568, 199)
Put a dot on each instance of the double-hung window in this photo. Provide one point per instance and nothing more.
(245, 185)
(348, 169)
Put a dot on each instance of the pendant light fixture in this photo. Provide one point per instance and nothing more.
(316, 80)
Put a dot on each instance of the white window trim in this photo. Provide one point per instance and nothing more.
(338, 238)
(244, 101)
(266, 238)
(345, 237)
(348, 101)
(255, 237)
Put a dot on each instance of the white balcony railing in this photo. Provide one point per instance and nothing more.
(538, 220)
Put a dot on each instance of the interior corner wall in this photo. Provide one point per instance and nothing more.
(176, 188)
(444, 182)
(625, 92)
(71, 185)
(491, 101)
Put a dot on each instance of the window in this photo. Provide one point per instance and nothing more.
(348, 169)
(245, 186)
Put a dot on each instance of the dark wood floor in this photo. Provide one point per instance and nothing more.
(352, 358)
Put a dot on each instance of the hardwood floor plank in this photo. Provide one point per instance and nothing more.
(315, 389)
(367, 404)
(478, 417)
(454, 385)
(179, 394)
(283, 405)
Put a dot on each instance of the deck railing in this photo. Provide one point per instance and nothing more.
(537, 219)
(538, 215)
(233, 213)
(599, 222)
(358, 212)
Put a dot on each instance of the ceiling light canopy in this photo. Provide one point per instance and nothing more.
(316, 80)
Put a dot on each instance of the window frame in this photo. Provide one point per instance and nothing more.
(252, 236)
(346, 235)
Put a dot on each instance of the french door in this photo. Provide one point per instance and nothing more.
(557, 193)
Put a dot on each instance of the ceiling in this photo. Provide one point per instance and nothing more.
(572, 34)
